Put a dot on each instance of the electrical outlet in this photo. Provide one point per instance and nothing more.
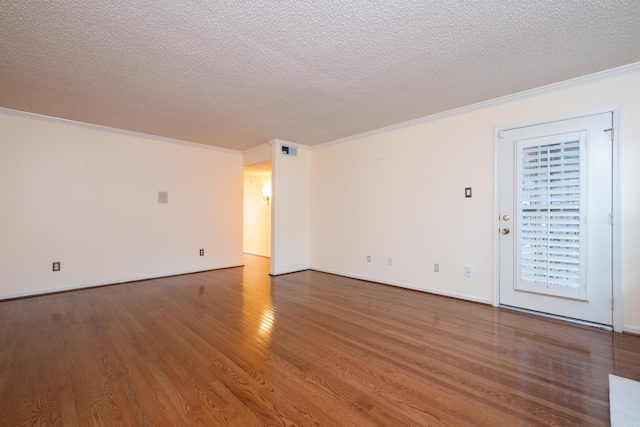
(368, 258)
(468, 271)
(201, 252)
(56, 266)
(436, 268)
(390, 260)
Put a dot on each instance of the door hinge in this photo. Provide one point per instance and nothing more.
(611, 303)
(501, 134)
(610, 130)
(611, 216)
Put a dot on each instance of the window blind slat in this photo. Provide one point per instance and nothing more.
(550, 224)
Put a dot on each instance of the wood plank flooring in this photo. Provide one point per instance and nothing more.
(236, 347)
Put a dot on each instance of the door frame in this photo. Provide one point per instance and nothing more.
(617, 229)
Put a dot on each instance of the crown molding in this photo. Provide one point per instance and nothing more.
(578, 81)
(109, 129)
(257, 148)
(285, 142)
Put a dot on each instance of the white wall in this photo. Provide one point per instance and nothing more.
(400, 193)
(257, 215)
(259, 154)
(290, 232)
(87, 196)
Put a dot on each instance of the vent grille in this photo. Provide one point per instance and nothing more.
(288, 150)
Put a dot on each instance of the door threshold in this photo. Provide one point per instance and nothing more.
(557, 317)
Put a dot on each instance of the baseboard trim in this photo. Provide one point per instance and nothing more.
(64, 289)
(257, 254)
(280, 273)
(406, 286)
(631, 330)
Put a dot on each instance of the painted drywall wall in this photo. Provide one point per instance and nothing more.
(88, 197)
(290, 232)
(257, 215)
(259, 154)
(400, 194)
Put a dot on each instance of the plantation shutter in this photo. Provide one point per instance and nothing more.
(550, 221)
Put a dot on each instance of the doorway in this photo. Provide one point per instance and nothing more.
(555, 206)
(257, 209)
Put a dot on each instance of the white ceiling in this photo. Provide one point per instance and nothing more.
(235, 74)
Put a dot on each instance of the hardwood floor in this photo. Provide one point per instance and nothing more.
(237, 347)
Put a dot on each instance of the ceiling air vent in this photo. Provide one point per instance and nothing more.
(288, 150)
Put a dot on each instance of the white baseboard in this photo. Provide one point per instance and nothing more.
(631, 329)
(108, 283)
(257, 254)
(295, 270)
(407, 286)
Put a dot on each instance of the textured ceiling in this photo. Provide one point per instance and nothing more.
(235, 74)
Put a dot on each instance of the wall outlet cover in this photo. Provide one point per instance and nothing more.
(163, 197)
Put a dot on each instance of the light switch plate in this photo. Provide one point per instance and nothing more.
(163, 197)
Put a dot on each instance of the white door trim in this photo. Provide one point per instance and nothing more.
(617, 229)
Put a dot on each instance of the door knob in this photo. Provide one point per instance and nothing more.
(506, 217)
(505, 231)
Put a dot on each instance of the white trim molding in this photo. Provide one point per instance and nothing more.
(119, 282)
(277, 141)
(116, 130)
(256, 148)
(295, 270)
(589, 78)
(405, 286)
(632, 330)
(257, 254)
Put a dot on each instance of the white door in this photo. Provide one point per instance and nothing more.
(555, 184)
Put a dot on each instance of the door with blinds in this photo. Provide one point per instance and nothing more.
(555, 184)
